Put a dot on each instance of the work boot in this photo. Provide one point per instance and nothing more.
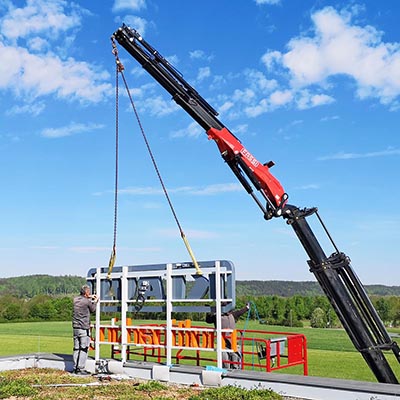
(78, 371)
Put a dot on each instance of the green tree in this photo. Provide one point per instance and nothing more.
(11, 308)
(383, 309)
(278, 310)
(318, 318)
(63, 308)
(42, 307)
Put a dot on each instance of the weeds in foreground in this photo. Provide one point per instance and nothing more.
(49, 384)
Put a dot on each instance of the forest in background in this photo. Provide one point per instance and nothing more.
(284, 303)
(68, 285)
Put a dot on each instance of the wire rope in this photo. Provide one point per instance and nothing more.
(120, 69)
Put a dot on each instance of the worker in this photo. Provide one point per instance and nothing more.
(84, 305)
(231, 359)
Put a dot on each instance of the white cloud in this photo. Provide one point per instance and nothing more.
(39, 17)
(151, 102)
(29, 69)
(135, 22)
(218, 188)
(240, 129)
(134, 5)
(280, 98)
(186, 190)
(307, 100)
(197, 54)
(200, 55)
(258, 81)
(262, 107)
(34, 109)
(350, 156)
(190, 233)
(270, 2)
(38, 44)
(204, 72)
(276, 99)
(330, 118)
(244, 96)
(35, 76)
(157, 106)
(271, 58)
(193, 130)
(226, 107)
(339, 47)
(69, 130)
(140, 191)
(310, 186)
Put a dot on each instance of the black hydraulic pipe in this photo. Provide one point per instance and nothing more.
(341, 298)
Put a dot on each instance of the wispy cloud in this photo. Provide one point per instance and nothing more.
(217, 188)
(72, 129)
(138, 23)
(331, 118)
(133, 5)
(310, 186)
(269, 2)
(350, 156)
(34, 109)
(190, 233)
(200, 55)
(45, 247)
(193, 130)
(98, 249)
(186, 190)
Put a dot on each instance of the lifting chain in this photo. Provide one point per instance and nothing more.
(120, 70)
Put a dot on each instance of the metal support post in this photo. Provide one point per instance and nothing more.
(218, 312)
(124, 309)
(97, 327)
(168, 333)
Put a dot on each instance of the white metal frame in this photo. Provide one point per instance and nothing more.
(167, 274)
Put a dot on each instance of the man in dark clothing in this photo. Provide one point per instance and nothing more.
(230, 360)
(84, 305)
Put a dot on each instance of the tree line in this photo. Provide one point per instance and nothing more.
(68, 285)
(30, 286)
(272, 310)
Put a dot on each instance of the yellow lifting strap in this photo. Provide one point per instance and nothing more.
(111, 262)
(120, 69)
(189, 249)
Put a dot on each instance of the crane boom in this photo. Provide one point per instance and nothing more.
(334, 272)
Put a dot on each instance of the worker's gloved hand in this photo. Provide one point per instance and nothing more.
(248, 306)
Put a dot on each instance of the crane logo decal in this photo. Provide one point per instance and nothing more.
(246, 154)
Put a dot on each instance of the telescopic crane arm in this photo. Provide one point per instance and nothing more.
(334, 273)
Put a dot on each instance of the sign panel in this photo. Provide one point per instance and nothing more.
(145, 287)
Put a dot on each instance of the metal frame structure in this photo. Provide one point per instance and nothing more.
(170, 341)
(220, 276)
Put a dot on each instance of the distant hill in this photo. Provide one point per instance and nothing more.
(31, 285)
(68, 285)
(306, 288)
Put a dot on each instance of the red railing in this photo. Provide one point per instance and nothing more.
(265, 350)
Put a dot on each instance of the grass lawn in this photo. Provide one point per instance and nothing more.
(330, 351)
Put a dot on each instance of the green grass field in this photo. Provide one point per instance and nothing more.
(330, 351)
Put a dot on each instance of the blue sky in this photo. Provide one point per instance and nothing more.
(312, 85)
